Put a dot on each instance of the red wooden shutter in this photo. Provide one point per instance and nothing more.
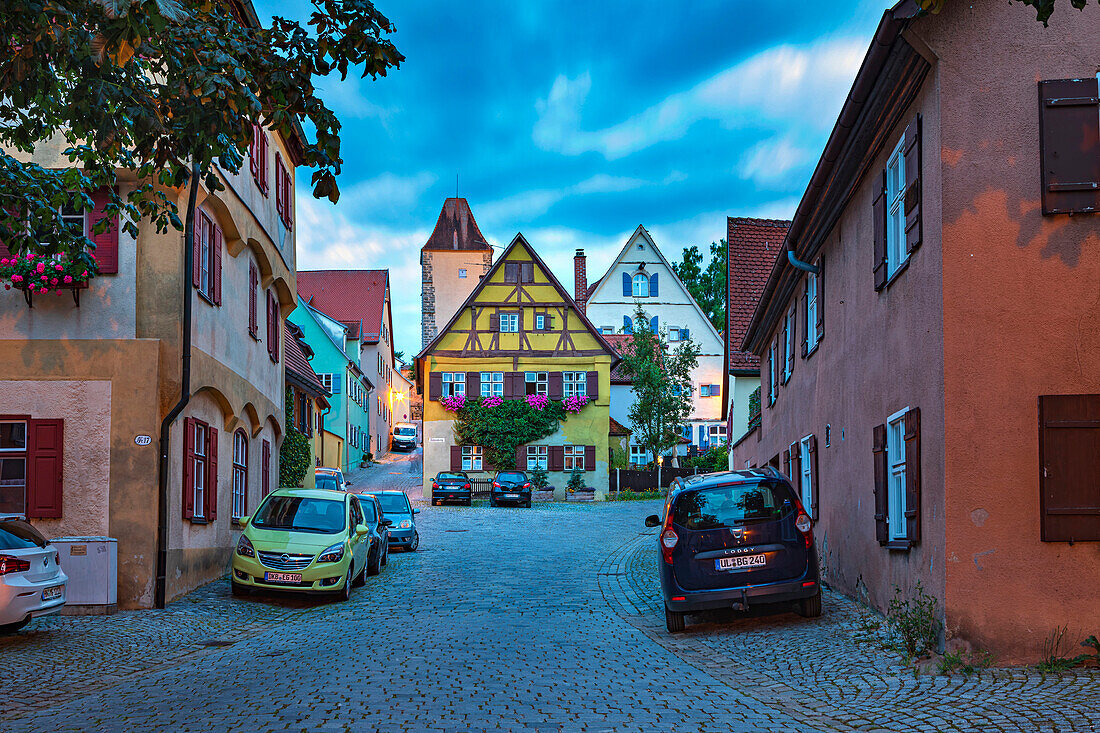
(435, 386)
(265, 476)
(210, 496)
(555, 388)
(1069, 145)
(196, 249)
(521, 458)
(592, 386)
(812, 458)
(253, 283)
(878, 215)
(590, 458)
(473, 384)
(254, 153)
(557, 458)
(912, 475)
(188, 468)
(45, 456)
(912, 200)
(882, 532)
(288, 200)
(820, 299)
(106, 244)
(456, 458)
(1069, 463)
(279, 186)
(216, 265)
(264, 157)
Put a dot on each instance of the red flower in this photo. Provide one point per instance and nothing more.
(68, 278)
(53, 281)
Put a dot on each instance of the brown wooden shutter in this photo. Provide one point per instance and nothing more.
(456, 458)
(912, 200)
(521, 458)
(45, 456)
(878, 215)
(590, 458)
(216, 266)
(787, 464)
(796, 467)
(253, 283)
(188, 468)
(264, 157)
(912, 475)
(555, 387)
(592, 386)
(511, 272)
(279, 186)
(435, 386)
(804, 314)
(210, 496)
(1069, 464)
(1069, 145)
(792, 319)
(494, 322)
(556, 459)
(473, 384)
(196, 249)
(106, 244)
(265, 476)
(548, 324)
(820, 299)
(882, 532)
(527, 272)
(812, 458)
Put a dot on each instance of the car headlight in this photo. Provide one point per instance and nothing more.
(244, 547)
(406, 523)
(332, 554)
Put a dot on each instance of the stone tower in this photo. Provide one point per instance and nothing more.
(452, 262)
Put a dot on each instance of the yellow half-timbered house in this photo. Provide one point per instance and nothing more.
(519, 334)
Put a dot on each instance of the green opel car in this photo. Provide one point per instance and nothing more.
(309, 540)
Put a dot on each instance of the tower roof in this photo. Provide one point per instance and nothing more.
(456, 228)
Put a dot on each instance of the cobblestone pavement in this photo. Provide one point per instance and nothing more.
(507, 619)
(401, 471)
(834, 673)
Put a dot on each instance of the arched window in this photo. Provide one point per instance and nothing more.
(640, 285)
(240, 474)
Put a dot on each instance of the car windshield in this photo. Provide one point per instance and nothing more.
(405, 431)
(368, 510)
(727, 506)
(445, 476)
(511, 477)
(301, 514)
(327, 482)
(393, 503)
(18, 535)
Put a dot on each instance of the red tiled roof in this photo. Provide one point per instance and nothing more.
(296, 363)
(620, 342)
(353, 297)
(456, 228)
(754, 245)
(616, 428)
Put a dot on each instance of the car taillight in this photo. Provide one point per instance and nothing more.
(466, 486)
(669, 538)
(527, 486)
(57, 558)
(496, 484)
(805, 525)
(9, 564)
(435, 486)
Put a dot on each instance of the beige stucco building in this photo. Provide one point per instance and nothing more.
(452, 262)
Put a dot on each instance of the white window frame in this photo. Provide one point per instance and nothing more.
(639, 285)
(638, 455)
(198, 471)
(788, 346)
(538, 456)
(673, 335)
(574, 457)
(704, 390)
(773, 377)
(606, 330)
(453, 384)
(540, 322)
(473, 458)
(240, 474)
(19, 454)
(895, 210)
(574, 384)
(492, 384)
(509, 322)
(811, 311)
(895, 475)
(716, 434)
(540, 380)
(462, 273)
(326, 381)
(805, 479)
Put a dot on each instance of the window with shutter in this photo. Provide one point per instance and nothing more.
(626, 285)
(527, 272)
(280, 204)
(589, 458)
(188, 493)
(1069, 467)
(654, 289)
(240, 475)
(106, 242)
(511, 272)
(456, 458)
(810, 456)
(879, 452)
(912, 191)
(895, 477)
(1069, 145)
(878, 216)
(592, 382)
(216, 245)
(265, 476)
(912, 475)
(212, 473)
(44, 479)
(253, 286)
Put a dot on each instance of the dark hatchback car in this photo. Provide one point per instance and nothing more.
(452, 486)
(510, 487)
(378, 529)
(735, 539)
(397, 509)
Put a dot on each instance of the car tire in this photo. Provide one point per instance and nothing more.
(469, 502)
(527, 504)
(12, 628)
(361, 578)
(374, 567)
(239, 591)
(810, 607)
(385, 556)
(415, 541)
(674, 620)
(344, 594)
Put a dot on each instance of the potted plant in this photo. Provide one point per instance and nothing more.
(576, 489)
(540, 482)
(36, 274)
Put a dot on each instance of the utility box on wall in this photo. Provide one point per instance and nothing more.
(92, 566)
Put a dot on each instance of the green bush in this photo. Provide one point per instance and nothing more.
(539, 479)
(504, 428)
(576, 480)
(915, 623)
(296, 453)
(715, 459)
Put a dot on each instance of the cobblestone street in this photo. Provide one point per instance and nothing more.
(528, 620)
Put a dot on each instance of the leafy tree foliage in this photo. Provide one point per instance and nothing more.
(161, 88)
(662, 385)
(707, 284)
(295, 453)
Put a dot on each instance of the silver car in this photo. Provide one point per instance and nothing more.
(32, 583)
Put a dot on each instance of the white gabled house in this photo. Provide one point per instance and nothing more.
(640, 275)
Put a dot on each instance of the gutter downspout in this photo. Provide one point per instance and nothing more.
(795, 262)
(323, 416)
(161, 588)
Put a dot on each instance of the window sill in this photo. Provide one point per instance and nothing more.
(813, 351)
(902, 545)
(198, 520)
(204, 296)
(897, 273)
(255, 335)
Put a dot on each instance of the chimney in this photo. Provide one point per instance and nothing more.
(580, 280)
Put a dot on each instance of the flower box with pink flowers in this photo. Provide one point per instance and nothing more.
(36, 274)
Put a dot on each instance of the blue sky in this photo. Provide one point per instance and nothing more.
(574, 123)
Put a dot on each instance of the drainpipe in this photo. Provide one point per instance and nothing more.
(799, 263)
(323, 416)
(161, 587)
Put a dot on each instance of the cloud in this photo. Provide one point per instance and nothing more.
(769, 161)
(529, 205)
(787, 84)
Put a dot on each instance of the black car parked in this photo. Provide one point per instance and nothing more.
(510, 487)
(378, 530)
(452, 486)
(733, 539)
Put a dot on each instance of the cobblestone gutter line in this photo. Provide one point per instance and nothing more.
(834, 673)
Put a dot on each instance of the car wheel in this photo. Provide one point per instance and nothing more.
(492, 504)
(374, 567)
(527, 504)
(415, 542)
(12, 628)
(469, 502)
(361, 578)
(238, 590)
(344, 594)
(385, 556)
(674, 620)
(810, 607)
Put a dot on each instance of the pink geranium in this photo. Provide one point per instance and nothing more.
(41, 267)
(454, 402)
(68, 279)
(575, 403)
(492, 402)
(59, 268)
(17, 278)
(538, 401)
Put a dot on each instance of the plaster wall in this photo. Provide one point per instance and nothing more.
(443, 289)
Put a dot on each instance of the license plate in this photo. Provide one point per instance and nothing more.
(511, 496)
(50, 593)
(282, 577)
(742, 562)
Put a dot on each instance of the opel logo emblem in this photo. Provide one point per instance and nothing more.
(285, 557)
(737, 533)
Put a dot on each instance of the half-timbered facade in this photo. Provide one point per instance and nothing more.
(518, 334)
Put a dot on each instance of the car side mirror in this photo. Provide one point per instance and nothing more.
(347, 483)
(243, 521)
(653, 521)
(361, 530)
(387, 522)
(416, 511)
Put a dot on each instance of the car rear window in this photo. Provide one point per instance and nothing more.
(16, 534)
(512, 476)
(732, 505)
(393, 503)
(301, 514)
(327, 482)
(444, 476)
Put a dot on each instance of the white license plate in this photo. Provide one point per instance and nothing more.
(742, 562)
(50, 593)
(511, 496)
(282, 577)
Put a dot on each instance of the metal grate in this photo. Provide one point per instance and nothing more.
(284, 561)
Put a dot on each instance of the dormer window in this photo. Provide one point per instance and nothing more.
(640, 286)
